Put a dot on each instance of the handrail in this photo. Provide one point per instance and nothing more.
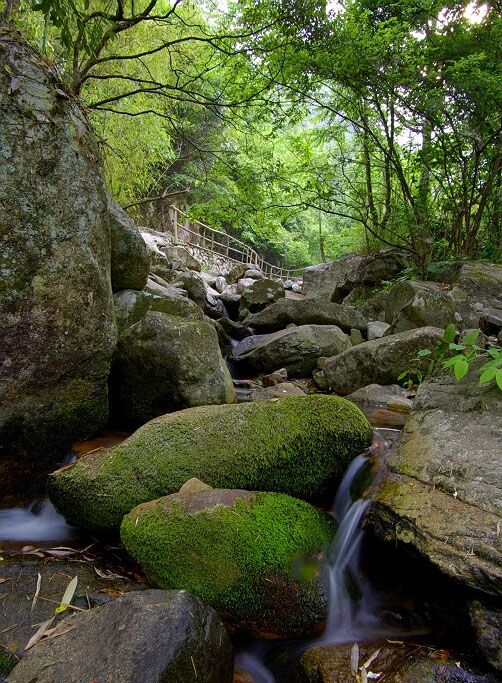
(222, 243)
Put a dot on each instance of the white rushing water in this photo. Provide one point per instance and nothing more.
(348, 620)
(39, 522)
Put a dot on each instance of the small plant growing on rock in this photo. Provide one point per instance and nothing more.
(455, 358)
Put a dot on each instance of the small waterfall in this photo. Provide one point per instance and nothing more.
(39, 522)
(349, 619)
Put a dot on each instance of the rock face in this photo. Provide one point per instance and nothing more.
(242, 553)
(313, 311)
(444, 492)
(298, 445)
(260, 294)
(20, 572)
(334, 281)
(58, 332)
(379, 361)
(417, 304)
(164, 363)
(131, 305)
(130, 258)
(146, 637)
(296, 349)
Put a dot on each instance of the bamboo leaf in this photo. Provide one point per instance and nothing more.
(39, 634)
(68, 595)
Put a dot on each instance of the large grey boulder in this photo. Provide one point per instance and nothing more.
(164, 363)
(147, 637)
(334, 281)
(57, 330)
(201, 293)
(475, 287)
(446, 459)
(312, 311)
(378, 361)
(19, 609)
(296, 349)
(413, 304)
(443, 494)
(129, 254)
(259, 294)
(132, 305)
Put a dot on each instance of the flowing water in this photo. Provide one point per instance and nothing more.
(348, 620)
(40, 522)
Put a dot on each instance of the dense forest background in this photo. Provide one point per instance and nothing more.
(306, 129)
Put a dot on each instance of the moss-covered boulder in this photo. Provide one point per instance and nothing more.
(57, 330)
(251, 556)
(132, 305)
(299, 445)
(164, 363)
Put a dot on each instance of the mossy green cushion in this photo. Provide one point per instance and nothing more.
(248, 555)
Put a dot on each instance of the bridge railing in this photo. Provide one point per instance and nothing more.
(202, 236)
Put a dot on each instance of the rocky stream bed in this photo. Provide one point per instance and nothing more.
(206, 527)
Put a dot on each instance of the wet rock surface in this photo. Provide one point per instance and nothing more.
(146, 637)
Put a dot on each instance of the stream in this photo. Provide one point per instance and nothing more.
(348, 620)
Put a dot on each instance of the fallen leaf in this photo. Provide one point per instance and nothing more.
(371, 658)
(39, 634)
(354, 659)
(68, 595)
(37, 591)
(112, 592)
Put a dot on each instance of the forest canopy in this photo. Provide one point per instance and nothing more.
(307, 129)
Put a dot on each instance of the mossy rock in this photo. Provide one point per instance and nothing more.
(251, 556)
(299, 445)
(164, 363)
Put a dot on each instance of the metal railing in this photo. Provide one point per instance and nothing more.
(201, 236)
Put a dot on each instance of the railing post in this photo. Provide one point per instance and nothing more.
(175, 226)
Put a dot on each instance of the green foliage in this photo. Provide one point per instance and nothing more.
(455, 358)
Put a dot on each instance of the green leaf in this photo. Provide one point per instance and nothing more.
(457, 347)
(460, 368)
(403, 374)
(498, 378)
(470, 338)
(449, 333)
(488, 375)
(424, 352)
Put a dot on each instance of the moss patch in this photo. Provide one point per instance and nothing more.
(240, 556)
(297, 445)
(7, 663)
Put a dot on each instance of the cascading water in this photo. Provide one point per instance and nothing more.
(348, 619)
(40, 522)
